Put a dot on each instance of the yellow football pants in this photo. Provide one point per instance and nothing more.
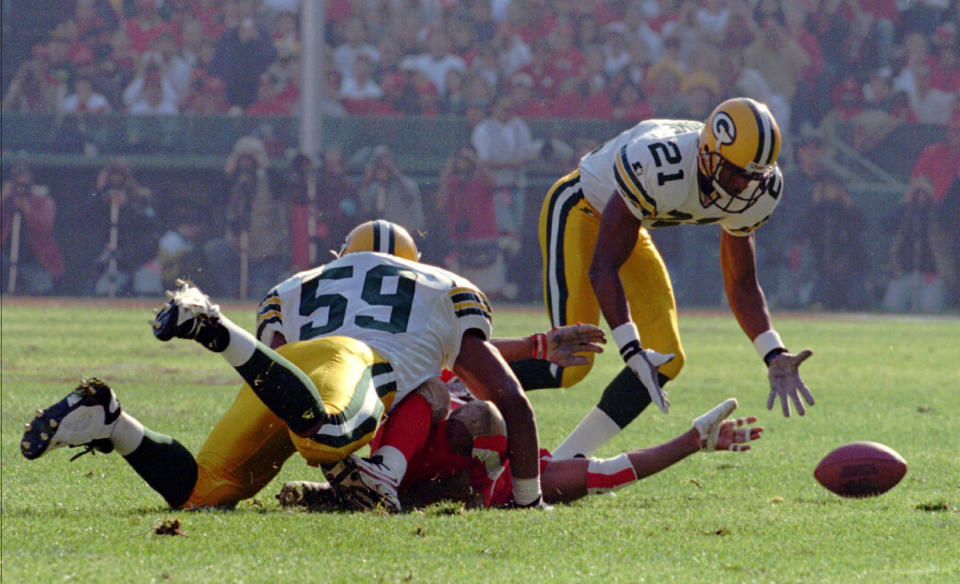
(569, 227)
(249, 444)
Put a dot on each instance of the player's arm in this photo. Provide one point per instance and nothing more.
(738, 261)
(619, 231)
(563, 345)
(749, 306)
(487, 374)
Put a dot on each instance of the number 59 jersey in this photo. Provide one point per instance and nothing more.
(653, 167)
(412, 314)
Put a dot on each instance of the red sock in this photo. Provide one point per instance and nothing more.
(408, 426)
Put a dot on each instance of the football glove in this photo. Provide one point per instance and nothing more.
(645, 364)
(786, 384)
(563, 344)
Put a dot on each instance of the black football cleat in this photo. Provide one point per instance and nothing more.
(186, 313)
(86, 417)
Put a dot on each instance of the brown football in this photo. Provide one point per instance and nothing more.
(861, 469)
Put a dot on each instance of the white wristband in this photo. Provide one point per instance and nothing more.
(526, 491)
(766, 342)
(625, 333)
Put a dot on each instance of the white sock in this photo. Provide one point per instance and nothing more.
(394, 461)
(590, 434)
(241, 346)
(127, 434)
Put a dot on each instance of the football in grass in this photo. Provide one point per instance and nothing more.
(861, 469)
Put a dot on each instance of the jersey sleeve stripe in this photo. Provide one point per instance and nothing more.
(273, 313)
(266, 319)
(384, 379)
(472, 311)
(463, 295)
(270, 303)
(630, 184)
(458, 295)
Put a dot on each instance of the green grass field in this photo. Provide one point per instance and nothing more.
(727, 517)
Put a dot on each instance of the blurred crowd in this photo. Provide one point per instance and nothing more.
(814, 62)
(831, 70)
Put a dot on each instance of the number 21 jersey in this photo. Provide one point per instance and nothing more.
(653, 167)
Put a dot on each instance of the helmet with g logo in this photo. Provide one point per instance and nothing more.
(381, 236)
(739, 145)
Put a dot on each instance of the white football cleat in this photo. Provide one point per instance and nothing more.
(709, 423)
(86, 417)
(364, 483)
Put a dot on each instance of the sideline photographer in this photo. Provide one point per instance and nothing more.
(124, 225)
(31, 258)
(254, 251)
(387, 193)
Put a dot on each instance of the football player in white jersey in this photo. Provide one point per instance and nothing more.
(599, 258)
(365, 330)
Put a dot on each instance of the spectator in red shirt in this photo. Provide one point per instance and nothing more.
(206, 96)
(398, 95)
(945, 72)
(544, 81)
(939, 162)
(428, 98)
(145, 26)
(466, 199)
(525, 104)
(39, 261)
(566, 60)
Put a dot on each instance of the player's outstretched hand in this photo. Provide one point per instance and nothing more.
(734, 434)
(785, 382)
(565, 342)
(646, 365)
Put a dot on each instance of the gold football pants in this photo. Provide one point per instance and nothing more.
(569, 227)
(249, 444)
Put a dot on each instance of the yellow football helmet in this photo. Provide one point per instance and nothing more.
(382, 236)
(739, 145)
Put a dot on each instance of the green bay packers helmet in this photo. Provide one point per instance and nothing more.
(739, 145)
(381, 236)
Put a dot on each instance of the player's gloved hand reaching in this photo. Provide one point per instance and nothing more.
(646, 364)
(786, 384)
(563, 344)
